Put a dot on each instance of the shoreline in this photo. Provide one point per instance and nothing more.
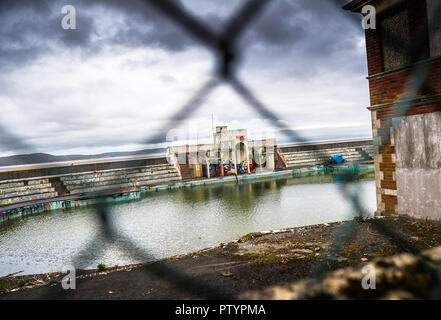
(94, 271)
(253, 262)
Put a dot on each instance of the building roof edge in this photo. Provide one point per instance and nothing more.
(355, 5)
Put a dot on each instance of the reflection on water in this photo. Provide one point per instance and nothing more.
(167, 223)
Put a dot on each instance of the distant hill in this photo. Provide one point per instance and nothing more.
(45, 157)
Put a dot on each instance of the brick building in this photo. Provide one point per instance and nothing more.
(404, 74)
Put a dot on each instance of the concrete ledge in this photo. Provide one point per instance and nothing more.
(28, 198)
(26, 193)
(24, 188)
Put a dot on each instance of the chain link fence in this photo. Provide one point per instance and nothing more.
(224, 46)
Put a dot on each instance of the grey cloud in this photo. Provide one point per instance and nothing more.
(29, 31)
(27, 24)
(144, 26)
(9, 5)
(81, 36)
(167, 78)
(10, 58)
(303, 39)
(278, 25)
(319, 24)
(11, 142)
(23, 25)
(31, 28)
(137, 33)
(136, 64)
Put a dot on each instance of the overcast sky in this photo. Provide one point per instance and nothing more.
(117, 79)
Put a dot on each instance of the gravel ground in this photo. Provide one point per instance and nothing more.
(246, 267)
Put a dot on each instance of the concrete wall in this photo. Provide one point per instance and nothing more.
(112, 176)
(312, 154)
(72, 169)
(324, 145)
(418, 165)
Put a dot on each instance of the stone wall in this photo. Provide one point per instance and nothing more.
(56, 170)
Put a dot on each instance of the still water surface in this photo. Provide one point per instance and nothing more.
(168, 223)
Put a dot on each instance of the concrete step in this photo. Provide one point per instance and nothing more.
(11, 185)
(159, 172)
(348, 158)
(157, 177)
(157, 181)
(100, 188)
(40, 196)
(37, 182)
(121, 172)
(21, 182)
(116, 184)
(323, 151)
(318, 161)
(86, 183)
(24, 188)
(369, 151)
(26, 192)
(319, 155)
(289, 165)
(90, 178)
(336, 150)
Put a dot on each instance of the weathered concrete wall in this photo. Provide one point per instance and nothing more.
(318, 153)
(418, 165)
(89, 178)
(324, 145)
(72, 169)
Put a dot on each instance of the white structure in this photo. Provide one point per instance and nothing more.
(230, 153)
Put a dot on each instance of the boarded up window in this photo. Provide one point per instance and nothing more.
(395, 40)
(434, 16)
(418, 165)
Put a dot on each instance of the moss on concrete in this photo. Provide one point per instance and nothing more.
(251, 235)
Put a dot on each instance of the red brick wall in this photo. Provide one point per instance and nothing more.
(373, 48)
(389, 87)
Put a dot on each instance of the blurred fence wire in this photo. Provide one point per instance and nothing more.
(224, 46)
